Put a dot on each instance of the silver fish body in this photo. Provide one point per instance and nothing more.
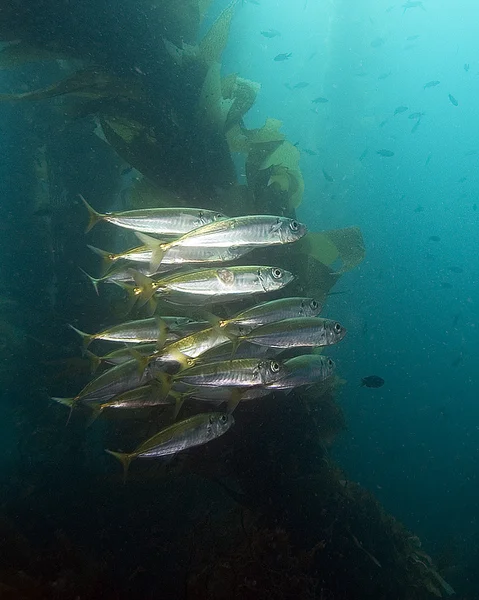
(303, 331)
(234, 373)
(195, 431)
(251, 230)
(269, 312)
(307, 369)
(222, 284)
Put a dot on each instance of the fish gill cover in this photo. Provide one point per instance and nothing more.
(224, 334)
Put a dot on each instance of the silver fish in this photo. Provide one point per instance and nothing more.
(269, 312)
(303, 331)
(307, 369)
(214, 285)
(161, 221)
(195, 431)
(247, 372)
(252, 231)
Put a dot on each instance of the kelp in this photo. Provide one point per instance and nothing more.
(89, 83)
(213, 109)
(243, 93)
(214, 42)
(327, 247)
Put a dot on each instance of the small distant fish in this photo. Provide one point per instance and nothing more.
(320, 100)
(416, 125)
(413, 4)
(364, 153)
(474, 206)
(466, 67)
(372, 381)
(412, 38)
(377, 42)
(428, 159)
(453, 100)
(327, 176)
(470, 153)
(418, 209)
(310, 152)
(446, 285)
(384, 75)
(389, 8)
(462, 180)
(416, 115)
(400, 109)
(270, 33)
(386, 153)
(434, 238)
(431, 84)
(300, 85)
(457, 361)
(456, 269)
(283, 56)
(312, 55)
(383, 123)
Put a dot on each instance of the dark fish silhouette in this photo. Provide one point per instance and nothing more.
(453, 100)
(270, 33)
(327, 176)
(383, 123)
(400, 109)
(428, 159)
(300, 85)
(412, 4)
(416, 125)
(384, 75)
(416, 115)
(411, 38)
(466, 67)
(462, 180)
(386, 153)
(431, 84)
(418, 209)
(434, 238)
(320, 100)
(456, 318)
(310, 152)
(284, 56)
(470, 153)
(474, 206)
(377, 42)
(457, 361)
(372, 381)
(446, 285)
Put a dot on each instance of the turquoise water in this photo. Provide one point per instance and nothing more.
(410, 306)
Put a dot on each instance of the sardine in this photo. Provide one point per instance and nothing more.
(299, 332)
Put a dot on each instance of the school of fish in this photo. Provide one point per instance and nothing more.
(166, 360)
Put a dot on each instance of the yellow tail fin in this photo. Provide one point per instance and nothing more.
(94, 217)
(125, 460)
(157, 249)
(145, 287)
(86, 337)
(107, 258)
(94, 281)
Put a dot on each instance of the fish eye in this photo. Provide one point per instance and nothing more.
(330, 363)
(314, 304)
(274, 366)
(337, 327)
(277, 273)
(223, 419)
(219, 216)
(294, 225)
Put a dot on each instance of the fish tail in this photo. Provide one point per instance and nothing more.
(165, 381)
(86, 337)
(95, 361)
(94, 217)
(65, 401)
(157, 249)
(107, 258)
(145, 287)
(94, 281)
(179, 400)
(141, 359)
(125, 460)
(162, 331)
